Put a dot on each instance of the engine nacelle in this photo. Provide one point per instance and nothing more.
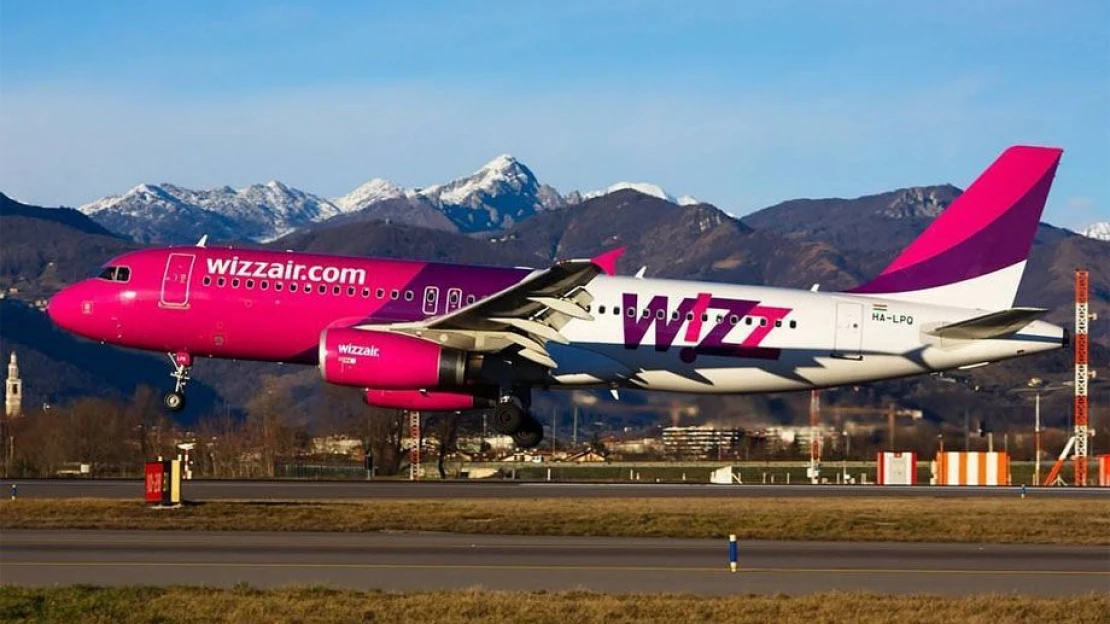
(372, 359)
(434, 401)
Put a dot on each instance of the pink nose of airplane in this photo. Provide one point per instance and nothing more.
(67, 308)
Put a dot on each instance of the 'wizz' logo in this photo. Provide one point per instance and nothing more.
(721, 315)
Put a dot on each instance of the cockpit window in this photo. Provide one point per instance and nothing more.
(115, 274)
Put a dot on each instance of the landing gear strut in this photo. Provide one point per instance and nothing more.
(516, 421)
(174, 400)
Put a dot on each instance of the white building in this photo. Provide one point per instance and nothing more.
(13, 390)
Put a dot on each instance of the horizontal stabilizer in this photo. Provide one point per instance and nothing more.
(990, 325)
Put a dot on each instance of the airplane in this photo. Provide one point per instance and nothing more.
(452, 337)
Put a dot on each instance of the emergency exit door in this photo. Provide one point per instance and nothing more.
(849, 331)
(175, 281)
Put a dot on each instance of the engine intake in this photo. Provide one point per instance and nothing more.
(435, 401)
(373, 359)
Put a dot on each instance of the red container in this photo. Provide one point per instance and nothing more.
(155, 482)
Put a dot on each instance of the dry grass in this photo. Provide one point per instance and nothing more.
(879, 519)
(242, 604)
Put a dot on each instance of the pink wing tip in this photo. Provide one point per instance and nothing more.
(607, 261)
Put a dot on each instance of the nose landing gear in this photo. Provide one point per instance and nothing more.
(174, 400)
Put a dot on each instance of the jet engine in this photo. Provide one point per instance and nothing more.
(384, 360)
(432, 401)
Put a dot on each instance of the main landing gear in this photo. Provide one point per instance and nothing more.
(174, 400)
(513, 420)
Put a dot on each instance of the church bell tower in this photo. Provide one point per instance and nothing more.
(13, 390)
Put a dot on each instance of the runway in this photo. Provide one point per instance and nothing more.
(407, 561)
(210, 490)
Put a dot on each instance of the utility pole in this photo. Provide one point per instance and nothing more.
(1037, 438)
(967, 432)
(814, 472)
(574, 435)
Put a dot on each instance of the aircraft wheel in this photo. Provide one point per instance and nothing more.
(174, 401)
(507, 418)
(529, 435)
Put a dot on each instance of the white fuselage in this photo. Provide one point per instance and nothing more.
(786, 340)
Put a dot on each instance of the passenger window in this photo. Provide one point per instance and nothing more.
(350, 291)
(207, 280)
(601, 309)
(263, 284)
(732, 320)
(293, 287)
(408, 295)
(720, 319)
(704, 318)
(616, 311)
(793, 324)
(631, 312)
(335, 290)
(250, 283)
(380, 293)
(747, 320)
(235, 282)
(220, 282)
(277, 285)
(778, 323)
(323, 290)
(470, 299)
(365, 293)
(674, 315)
(763, 322)
(394, 294)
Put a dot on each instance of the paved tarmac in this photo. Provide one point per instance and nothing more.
(412, 561)
(209, 490)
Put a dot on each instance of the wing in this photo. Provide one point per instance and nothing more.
(524, 316)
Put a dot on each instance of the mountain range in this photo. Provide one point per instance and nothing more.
(836, 243)
(500, 194)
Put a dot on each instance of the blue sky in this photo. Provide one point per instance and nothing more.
(742, 104)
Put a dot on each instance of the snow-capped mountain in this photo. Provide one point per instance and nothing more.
(501, 193)
(1098, 231)
(167, 213)
(375, 190)
(647, 189)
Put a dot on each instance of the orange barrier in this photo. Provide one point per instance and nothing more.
(972, 468)
(1104, 470)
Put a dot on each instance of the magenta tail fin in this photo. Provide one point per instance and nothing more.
(974, 253)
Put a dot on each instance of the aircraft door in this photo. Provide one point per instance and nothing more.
(175, 281)
(849, 331)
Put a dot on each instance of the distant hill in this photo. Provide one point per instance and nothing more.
(46, 248)
(63, 216)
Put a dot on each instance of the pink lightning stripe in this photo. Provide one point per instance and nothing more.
(693, 330)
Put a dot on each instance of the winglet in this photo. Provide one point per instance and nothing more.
(203, 240)
(607, 261)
